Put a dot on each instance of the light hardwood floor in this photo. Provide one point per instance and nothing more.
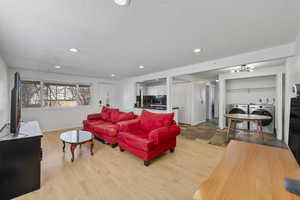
(113, 175)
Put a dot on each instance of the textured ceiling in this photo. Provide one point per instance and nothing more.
(159, 34)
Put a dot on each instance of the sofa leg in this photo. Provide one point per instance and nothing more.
(146, 163)
(114, 145)
(100, 140)
(172, 150)
(122, 150)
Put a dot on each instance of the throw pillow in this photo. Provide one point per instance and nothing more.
(123, 116)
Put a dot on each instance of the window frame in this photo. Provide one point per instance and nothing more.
(40, 93)
(42, 96)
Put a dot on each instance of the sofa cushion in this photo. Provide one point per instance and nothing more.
(91, 123)
(125, 116)
(117, 116)
(114, 116)
(106, 113)
(151, 121)
(137, 139)
(108, 129)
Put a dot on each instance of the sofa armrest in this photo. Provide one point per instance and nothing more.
(163, 134)
(94, 116)
(129, 125)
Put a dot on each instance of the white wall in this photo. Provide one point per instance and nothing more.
(61, 118)
(298, 55)
(250, 90)
(4, 97)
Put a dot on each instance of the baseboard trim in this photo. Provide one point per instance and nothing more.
(64, 128)
(196, 123)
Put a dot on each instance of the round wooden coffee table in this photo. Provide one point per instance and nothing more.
(77, 137)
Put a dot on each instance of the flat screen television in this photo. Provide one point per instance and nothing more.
(15, 114)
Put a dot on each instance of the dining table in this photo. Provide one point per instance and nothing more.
(236, 118)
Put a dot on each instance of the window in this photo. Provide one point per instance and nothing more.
(54, 94)
(31, 94)
(59, 95)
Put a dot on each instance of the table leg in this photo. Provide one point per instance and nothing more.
(73, 147)
(228, 130)
(234, 127)
(259, 129)
(92, 146)
(261, 132)
(64, 145)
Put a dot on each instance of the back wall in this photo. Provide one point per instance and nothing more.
(61, 118)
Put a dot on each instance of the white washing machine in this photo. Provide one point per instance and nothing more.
(238, 109)
(268, 126)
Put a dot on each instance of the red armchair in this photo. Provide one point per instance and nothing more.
(149, 135)
(105, 125)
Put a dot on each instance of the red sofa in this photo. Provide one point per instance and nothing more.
(149, 135)
(105, 125)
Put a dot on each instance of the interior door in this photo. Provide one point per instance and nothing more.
(107, 95)
(180, 99)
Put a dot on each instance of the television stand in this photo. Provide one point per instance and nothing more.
(20, 158)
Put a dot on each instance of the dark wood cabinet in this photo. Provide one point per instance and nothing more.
(20, 166)
(294, 133)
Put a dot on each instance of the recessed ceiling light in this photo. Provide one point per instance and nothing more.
(217, 80)
(122, 2)
(57, 67)
(112, 75)
(141, 67)
(73, 50)
(197, 50)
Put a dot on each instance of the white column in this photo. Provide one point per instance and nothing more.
(222, 101)
(289, 80)
(279, 105)
(169, 94)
